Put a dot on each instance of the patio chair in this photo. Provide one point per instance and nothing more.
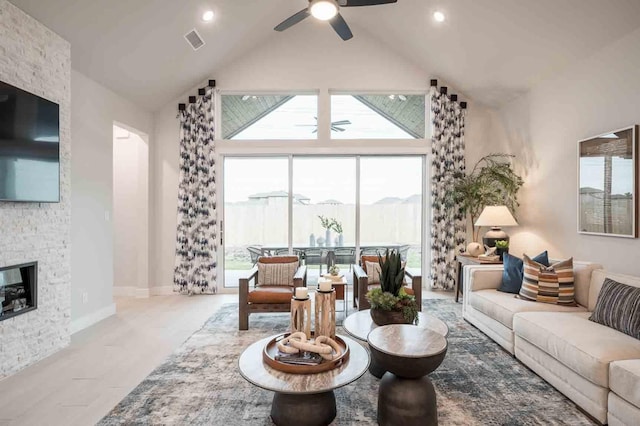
(268, 294)
(345, 256)
(255, 252)
(361, 285)
(316, 256)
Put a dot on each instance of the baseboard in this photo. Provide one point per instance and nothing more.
(131, 292)
(93, 318)
(161, 291)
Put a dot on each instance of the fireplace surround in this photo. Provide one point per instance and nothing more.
(18, 289)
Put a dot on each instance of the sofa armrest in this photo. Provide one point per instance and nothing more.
(300, 278)
(482, 277)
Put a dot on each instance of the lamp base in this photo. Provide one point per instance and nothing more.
(494, 235)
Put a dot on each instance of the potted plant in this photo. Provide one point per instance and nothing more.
(502, 247)
(492, 182)
(390, 304)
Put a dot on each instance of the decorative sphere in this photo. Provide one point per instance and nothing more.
(475, 249)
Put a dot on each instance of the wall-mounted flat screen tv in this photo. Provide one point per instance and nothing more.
(29, 147)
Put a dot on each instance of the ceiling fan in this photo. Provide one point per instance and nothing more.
(328, 10)
(335, 125)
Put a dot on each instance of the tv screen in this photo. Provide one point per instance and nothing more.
(29, 147)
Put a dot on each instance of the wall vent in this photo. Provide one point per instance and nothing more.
(194, 39)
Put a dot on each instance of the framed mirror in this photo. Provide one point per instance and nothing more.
(607, 182)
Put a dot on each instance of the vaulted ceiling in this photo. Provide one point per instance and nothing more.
(490, 50)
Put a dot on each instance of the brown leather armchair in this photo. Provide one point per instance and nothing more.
(268, 298)
(413, 284)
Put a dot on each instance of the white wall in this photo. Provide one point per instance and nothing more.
(542, 128)
(37, 60)
(93, 113)
(308, 58)
(130, 213)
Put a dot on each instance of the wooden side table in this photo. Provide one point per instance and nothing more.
(465, 260)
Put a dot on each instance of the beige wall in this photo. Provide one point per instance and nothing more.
(94, 109)
(542, 128)
(313, 60)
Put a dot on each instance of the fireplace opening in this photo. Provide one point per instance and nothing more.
(18, 289)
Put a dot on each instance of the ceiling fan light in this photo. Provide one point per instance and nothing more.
(323, 9)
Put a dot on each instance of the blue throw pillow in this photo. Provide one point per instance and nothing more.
(514, 270)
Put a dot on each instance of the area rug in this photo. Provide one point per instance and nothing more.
(477, 384)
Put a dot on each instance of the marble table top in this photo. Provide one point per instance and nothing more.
(407, 341)
(360, 324)
(255, 371)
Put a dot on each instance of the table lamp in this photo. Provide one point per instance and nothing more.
(495, 217)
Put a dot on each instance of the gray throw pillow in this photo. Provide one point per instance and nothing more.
(618, 307)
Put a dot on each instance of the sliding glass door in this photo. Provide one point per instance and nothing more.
(256, 212)
(321, 208)
(391, 207)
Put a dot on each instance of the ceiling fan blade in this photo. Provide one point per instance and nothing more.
(340, 25)
(351, 3)
(292, 20)
(340, 123)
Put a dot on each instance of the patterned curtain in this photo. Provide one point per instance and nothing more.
(196, 239)
(448, 231)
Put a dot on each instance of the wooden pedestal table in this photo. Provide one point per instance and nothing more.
(359, 325)
(302, 399)
(408, 353)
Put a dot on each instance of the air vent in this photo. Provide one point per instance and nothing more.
(194, 39)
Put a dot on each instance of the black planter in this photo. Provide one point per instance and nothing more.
(382, 317)
(501, 251)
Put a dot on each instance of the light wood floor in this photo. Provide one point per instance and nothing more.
(82, 383)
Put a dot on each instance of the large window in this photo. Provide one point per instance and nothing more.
(391, 206)
(259, 193)
(265, 117)
(393, 116)
(256, 211)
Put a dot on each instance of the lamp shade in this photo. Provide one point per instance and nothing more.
(496, 216)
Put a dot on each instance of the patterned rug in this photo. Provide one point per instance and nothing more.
(477, 384)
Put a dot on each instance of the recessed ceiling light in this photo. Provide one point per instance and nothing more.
(324, 9)
(208, 16)
(438, 16)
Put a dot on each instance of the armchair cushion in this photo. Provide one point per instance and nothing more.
(373, 272)
(277, 270)
(271, 294)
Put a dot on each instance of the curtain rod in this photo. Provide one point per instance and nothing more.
(201, 92)
(444, 90)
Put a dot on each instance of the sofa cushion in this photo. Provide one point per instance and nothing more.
(581, 345)
(513, 271)
(597, 281)
(503, 306)
(548, 284)
(271, 294)
(618, 307)
(624, 379)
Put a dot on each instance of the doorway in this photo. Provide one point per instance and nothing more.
(130, 212)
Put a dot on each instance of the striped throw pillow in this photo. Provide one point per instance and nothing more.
(276, 273)
(618, 307)
(548, 284)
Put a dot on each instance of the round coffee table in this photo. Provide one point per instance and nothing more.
(406, 395)
(302, 399)
(359, 325)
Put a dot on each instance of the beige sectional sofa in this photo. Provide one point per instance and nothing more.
(595, 366)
